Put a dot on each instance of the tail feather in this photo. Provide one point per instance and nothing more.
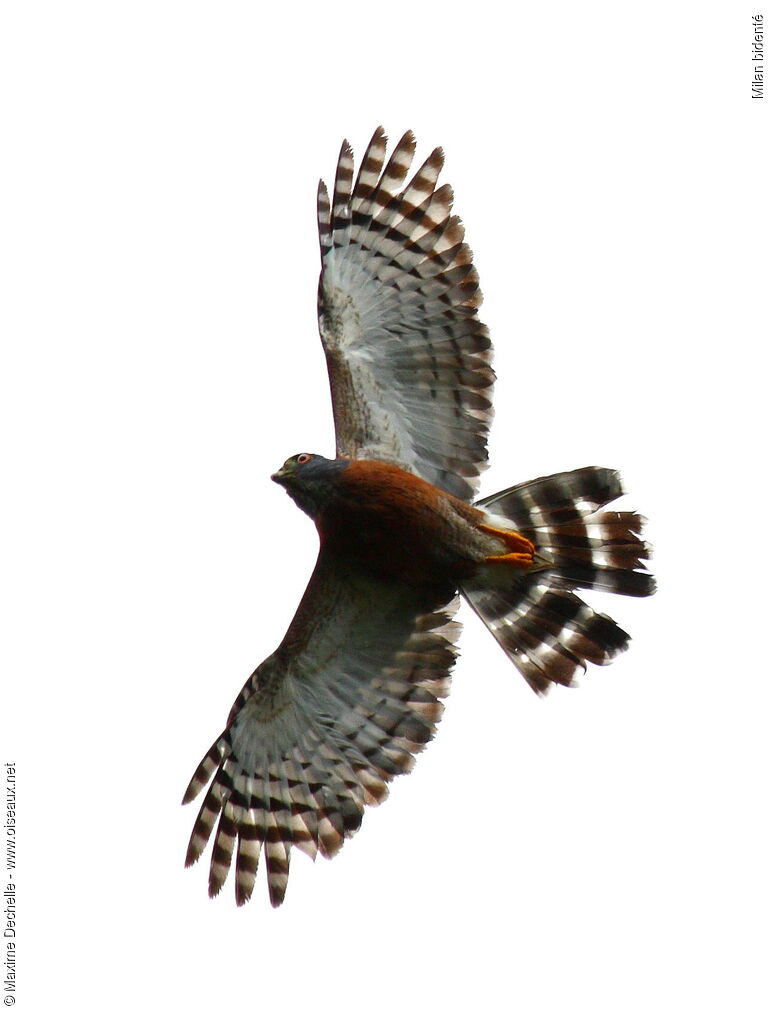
(544, 627)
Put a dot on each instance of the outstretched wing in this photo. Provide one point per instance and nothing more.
(320, 728)
(408, 359)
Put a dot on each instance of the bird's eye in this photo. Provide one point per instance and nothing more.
(303, 459)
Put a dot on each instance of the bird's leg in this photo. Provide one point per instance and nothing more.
(520, 550)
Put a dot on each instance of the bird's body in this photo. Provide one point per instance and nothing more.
(354, 689)
(385, 521)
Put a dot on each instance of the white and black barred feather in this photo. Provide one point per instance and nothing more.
(408, 359)
(544, 627)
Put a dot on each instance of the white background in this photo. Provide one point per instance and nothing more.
(599, 855)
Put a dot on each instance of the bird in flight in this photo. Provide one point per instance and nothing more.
(354, 690)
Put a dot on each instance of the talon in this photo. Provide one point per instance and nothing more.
(525, 560)
(517, 545)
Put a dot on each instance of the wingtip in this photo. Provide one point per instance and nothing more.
(242, 896)
(438, 157)
(192, 855)
(407, 143)
(191, 791)
(276, 896)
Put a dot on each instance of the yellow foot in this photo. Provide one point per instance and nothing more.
(514, 558)
(521, 550)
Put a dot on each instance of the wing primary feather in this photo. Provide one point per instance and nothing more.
(368, 175)
(342, 213)
(249, 849)
(324, 220)
(398, 165)
(277, 845)
(221, 854)
(420, 189)
(205, 769)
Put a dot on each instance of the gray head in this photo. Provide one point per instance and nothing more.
(310, 479)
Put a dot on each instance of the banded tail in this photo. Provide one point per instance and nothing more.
(542, 625)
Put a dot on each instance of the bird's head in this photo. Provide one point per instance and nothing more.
(310, 479)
